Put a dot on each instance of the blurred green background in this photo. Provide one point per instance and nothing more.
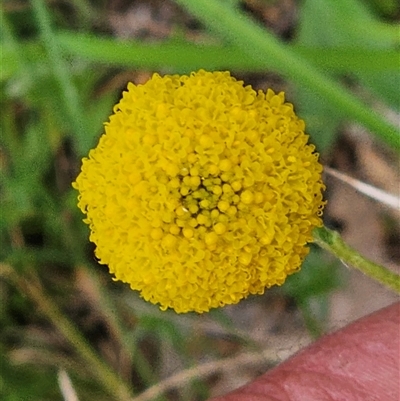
(63, 66)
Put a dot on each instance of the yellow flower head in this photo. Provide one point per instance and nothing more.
(201, 191)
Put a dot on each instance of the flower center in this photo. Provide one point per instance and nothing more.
(209, 199)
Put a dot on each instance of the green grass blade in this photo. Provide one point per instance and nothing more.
(181, 55)
(62, 74)
(178, 55)
(261, 45)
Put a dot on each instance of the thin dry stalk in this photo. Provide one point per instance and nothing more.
(207, 369)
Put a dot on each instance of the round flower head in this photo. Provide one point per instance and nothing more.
(201, 191)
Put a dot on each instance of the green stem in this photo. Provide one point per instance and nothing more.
(332, 242)
(258, 43)
(117, 389)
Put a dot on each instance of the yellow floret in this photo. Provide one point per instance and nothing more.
(201, 191)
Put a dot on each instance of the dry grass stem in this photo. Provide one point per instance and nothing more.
(366, 189)
(66, 387)
(207, 369)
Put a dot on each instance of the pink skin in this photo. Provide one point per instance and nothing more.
(358, 363)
